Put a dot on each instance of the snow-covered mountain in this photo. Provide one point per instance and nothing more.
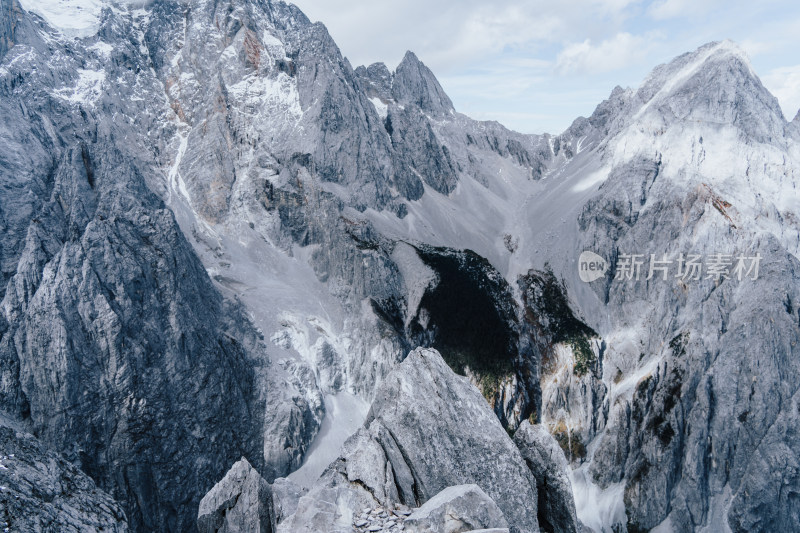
(219, 240)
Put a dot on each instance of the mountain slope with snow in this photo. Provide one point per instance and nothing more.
(214, 226)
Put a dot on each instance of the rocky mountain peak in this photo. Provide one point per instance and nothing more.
(610, 111)
(713, 84)
(376, 80)
(671, 75)
(414, 83)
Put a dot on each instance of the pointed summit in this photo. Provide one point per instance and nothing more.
(376, 80)
(716, 84)
(414, 83)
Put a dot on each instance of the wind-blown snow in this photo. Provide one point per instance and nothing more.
(73, 18)
(345, 413)
(87, 89)
(591, 180)
(380, 107)
(599, 509)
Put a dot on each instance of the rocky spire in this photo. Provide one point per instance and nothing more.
(415, 83)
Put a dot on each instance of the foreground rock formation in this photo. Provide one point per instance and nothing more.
(432, 456)
(40, 491)
(545, 458)
(455, 509)
(239, 503)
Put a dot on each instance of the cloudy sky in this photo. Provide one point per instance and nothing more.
(536, 65)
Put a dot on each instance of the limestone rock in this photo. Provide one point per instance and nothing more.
(556, 506)
(41, 492)
(456, 509)
(447, 435)
(239, 503)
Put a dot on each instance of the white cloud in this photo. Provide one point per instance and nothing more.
(755, 47)
(621, 51)
(668, 9)
(509, 58)
(784, 83)
(448, 35)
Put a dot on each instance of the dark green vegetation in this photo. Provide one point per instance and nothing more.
(548, 310)
(570, 442)
(471, 313)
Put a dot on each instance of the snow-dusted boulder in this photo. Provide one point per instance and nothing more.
(360, 478)
(456, 509)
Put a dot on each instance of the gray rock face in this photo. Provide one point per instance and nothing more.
(290, 427)
(9, 18)
(687, 419)
(414, 84)
(330, 506)
(456, 509)
(360, 478)
(428, 430)
(418, 152)
(725, 90)
(115, 345)
(447, 435)
(546, 460)
(285, 497)
(40, 491)
(376, 80)
(241, 502)
(133, 162)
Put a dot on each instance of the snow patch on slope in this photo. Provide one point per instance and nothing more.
(381, 108)
(265, 96)
(599, 509)
(88, 88)
(73, 18)
(417, 277)
(344, 414)
(592, 179)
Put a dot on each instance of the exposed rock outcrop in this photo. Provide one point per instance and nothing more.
(455, 510)
(189, 179)
(428, 429)
(40, 491)
(240, 503)
(556, 506)
(9, 18)
(115, 345)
